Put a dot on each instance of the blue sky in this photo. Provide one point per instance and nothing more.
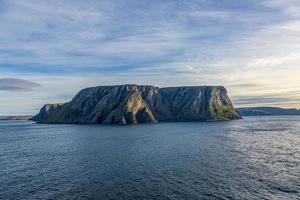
(52, 49)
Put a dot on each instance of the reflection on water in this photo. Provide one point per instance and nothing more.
(254, 158)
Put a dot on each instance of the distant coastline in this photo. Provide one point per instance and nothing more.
(267, 111)
(19, 117)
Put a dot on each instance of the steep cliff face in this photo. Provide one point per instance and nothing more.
(131, 104)
(45, 111)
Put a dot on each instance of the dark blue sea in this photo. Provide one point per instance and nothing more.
(253, 158)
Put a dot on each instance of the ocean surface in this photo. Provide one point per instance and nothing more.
(253, 158)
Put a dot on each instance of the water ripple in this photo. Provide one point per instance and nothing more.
(254, 158)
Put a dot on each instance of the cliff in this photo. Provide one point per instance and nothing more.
(131, 104)
(45, 111)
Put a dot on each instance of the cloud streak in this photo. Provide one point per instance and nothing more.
(14, 84)
(251, 47)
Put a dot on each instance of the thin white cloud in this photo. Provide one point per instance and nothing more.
(213, 14)
(273, 61)
(289, 7)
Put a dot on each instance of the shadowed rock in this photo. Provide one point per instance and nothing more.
(45, 111)
(132, 104)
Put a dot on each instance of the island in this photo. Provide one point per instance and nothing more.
(133, 104)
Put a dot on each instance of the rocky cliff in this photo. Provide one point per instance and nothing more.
(45, 111)
(131, 104)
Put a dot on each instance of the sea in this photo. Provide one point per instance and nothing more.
(252, 158)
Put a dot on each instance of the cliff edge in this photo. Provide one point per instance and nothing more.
(132, 104)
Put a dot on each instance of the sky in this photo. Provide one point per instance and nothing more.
(49, 50)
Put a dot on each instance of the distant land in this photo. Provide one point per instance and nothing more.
(21, 117)
(133, 104)
(266, 111)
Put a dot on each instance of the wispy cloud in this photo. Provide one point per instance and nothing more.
(12, 84)
(246, 85)
(251, 47)
(289, 7)
(212, 14)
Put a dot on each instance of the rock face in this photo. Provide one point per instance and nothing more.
(132, 104)
(45, 111)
